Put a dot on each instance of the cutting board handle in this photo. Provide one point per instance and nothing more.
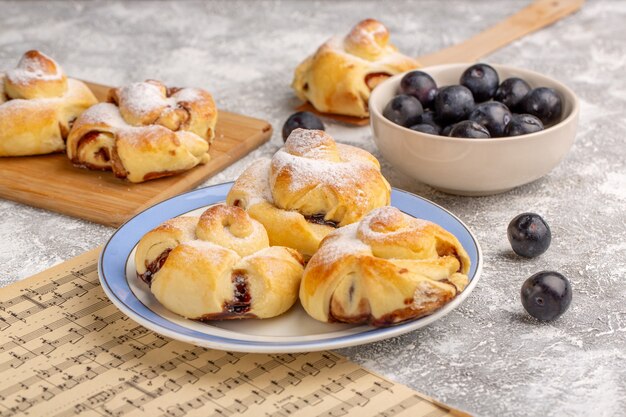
(538, 14)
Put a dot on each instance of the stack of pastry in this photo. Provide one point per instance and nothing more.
(145, 131)
(309, 188)
(38, 104)
(218, 266)
(369, 262)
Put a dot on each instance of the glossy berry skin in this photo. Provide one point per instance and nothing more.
(403, 110)
(430, 118)
(419, 85)
(426, 128)
(482, 80)
(469, 129)
(546, 295)
(529, 235)
(301, 120)
(493, 116)
(544, 103)
(522, 124)
(446, 130)
(453, 103)
(511, 92)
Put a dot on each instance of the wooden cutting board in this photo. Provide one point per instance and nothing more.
(538, 14)
(53, 183)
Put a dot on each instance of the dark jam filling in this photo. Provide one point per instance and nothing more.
(241, 297)
(319, 219)
(154, 267)
(103, 154)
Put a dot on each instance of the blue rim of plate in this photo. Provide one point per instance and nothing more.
(114, 256)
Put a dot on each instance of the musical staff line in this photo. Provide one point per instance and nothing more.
(69, 351)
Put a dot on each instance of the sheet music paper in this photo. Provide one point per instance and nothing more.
(65, 350)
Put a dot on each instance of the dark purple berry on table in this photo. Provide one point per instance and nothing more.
(522, 124)
(469, 129)
(419, 85)
(482, 80)
(453, 103)
(301, 120)
(544, 103)
(546, 295)
(529, 235)
(511, 92)
(446, 130)
(493, 116)
(404, 110)
(426, 128)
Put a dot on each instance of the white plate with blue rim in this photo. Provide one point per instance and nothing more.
(293, 331)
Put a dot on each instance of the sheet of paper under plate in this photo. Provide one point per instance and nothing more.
(66, 350)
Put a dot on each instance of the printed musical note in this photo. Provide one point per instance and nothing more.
(67, 351)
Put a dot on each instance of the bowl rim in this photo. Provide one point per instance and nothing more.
(377, 113)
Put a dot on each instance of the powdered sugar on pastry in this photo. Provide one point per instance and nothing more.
(311, 172)
(336, 78)
(105, 113)
(32, 67)
(150, 131)
(309, 188)
(185, 94)
(38, 104)
(313, 166)
(341, 243)
(424, 295)
(144, 98)
(389, 221)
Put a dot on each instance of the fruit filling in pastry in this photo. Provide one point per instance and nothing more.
(218, 266)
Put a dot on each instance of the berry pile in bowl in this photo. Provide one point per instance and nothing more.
(473, 129)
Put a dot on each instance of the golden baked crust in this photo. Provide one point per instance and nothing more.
(218, 266)
(146, 131)
(310, 187)
(339, 77)
(387, 269)
(38, 103)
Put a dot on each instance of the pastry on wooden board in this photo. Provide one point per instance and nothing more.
(218, 266)
(145, 131)
(386, 269)
(38, 103)
(340, 75)
(310, 187)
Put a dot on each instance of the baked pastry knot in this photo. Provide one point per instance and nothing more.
(339, 77)
(218, 266)
(146, 131)
(38, 103)
(309, 188)
(387, 269)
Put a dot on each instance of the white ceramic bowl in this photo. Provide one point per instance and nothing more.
(473, 166)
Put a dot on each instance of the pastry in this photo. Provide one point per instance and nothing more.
(38, 103)
(387, 269)
(339, 77)
(218, 266)
(309, 188)
(145, 131)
